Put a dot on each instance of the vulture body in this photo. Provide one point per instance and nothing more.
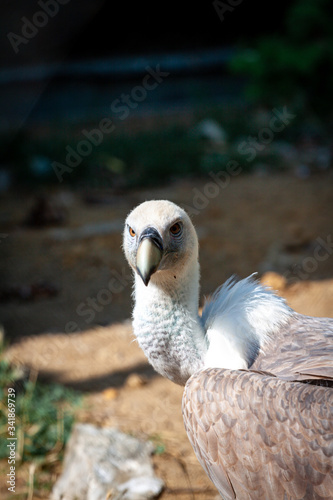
(258, 398)
(259, 437)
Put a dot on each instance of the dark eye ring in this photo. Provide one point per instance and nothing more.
(131, 231)
(176, 229)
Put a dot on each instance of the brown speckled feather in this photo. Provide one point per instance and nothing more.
(301, 350)
(259, 437)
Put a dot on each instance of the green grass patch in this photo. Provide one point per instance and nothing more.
(159, 445)
(44, 415)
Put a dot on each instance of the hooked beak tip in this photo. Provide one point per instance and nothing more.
(145, 278)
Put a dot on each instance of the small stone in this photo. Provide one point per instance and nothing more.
(140, 488)
(110, 393)
(135, 380)
(210, 130)
(274, 281)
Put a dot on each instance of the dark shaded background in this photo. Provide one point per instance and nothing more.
(85, 29)
(88, 54)
(118, 34)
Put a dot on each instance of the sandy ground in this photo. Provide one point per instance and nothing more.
(254, 224)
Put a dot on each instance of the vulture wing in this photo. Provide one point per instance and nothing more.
(302, 349)
(260, 437)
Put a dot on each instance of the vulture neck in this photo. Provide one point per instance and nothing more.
(167, 325)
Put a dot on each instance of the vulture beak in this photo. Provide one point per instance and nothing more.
(149, 253)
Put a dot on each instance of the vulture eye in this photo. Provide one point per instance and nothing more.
(131, 232)
(176, 229)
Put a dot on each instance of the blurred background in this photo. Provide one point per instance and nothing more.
(224, 108)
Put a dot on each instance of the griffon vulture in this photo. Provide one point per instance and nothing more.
(258, 397)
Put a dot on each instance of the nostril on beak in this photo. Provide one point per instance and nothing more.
(152, 234)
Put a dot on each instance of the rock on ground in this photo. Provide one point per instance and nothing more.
(103, 463)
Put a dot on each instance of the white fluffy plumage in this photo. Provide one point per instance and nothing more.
(239, 320)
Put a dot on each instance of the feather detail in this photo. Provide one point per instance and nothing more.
(302, 349)
(263, 438)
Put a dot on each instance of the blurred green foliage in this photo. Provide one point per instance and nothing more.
(125, 159)
(294, 67)
(140, 158)
(44, 415)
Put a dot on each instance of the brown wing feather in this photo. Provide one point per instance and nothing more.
(300, 350)
(259, 437)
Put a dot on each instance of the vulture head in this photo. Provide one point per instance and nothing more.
(160, 242)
